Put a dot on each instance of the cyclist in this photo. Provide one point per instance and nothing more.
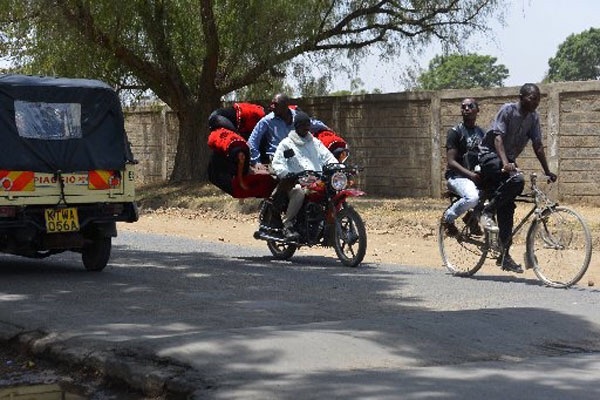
(514, 125)
(462, 148)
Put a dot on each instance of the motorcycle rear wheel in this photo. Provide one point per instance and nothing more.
(281, 250)
(350, 237)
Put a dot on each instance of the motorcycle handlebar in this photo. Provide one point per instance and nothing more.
(295, 175)
(327, 170)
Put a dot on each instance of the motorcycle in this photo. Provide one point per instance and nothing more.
(325, 219)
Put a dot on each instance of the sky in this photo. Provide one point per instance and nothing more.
(534, 29)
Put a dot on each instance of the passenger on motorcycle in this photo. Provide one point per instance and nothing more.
(240, 118)
(228, 165)
(230, 128)
(296, 153)
(272, 128)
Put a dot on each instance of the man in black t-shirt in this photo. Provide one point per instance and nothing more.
(462, 147)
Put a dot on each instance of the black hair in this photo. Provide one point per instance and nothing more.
(301, 118)
(281, 98)
(473, 101)
(528, 88)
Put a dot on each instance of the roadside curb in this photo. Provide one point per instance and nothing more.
(143, 372)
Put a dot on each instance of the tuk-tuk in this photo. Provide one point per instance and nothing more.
(66, 169)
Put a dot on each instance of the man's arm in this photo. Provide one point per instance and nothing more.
(325, 155)
(317, 126)
(538, 148)
(451, 155)
(499, 146)
(255, 139)
(453, 139)
(279, 164)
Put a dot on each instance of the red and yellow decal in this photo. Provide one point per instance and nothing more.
(100, 179)
(16, 181)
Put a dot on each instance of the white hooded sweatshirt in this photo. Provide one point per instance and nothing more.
(309, 155)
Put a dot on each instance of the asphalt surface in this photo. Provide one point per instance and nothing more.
(211, 320)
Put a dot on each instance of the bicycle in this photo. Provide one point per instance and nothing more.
(558, 244)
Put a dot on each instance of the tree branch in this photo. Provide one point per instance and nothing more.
(81, 18)
(366, 26)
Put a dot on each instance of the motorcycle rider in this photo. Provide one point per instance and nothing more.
(296, 153)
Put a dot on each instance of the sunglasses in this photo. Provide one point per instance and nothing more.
(468, 106)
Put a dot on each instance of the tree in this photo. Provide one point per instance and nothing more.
(457, 71)
(577, 58)
(191, 53)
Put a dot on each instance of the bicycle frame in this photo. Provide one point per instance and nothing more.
(541, 203)
(558, 243)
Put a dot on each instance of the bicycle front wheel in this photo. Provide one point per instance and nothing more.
(559, 247)
(464, 253)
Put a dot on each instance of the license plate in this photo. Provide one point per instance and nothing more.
(61, 220)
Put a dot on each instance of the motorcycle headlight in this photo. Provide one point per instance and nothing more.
(339, 181)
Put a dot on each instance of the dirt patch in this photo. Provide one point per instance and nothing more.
(400, 231)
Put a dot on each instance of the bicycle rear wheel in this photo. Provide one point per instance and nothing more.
(463, 254)
(559, 247)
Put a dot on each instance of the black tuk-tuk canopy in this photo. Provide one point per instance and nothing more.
(57, 124)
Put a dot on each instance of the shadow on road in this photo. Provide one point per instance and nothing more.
(253, 325)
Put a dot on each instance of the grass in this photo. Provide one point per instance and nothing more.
(416, 215)
(197, 196)
(402, 214)
(191, 196)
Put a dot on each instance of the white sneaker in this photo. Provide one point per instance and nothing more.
(488, 223)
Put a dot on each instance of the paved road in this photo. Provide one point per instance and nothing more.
(227, 322)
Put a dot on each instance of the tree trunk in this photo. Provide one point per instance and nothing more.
(192, 154)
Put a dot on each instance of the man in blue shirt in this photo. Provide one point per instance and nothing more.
(514, 126)
(272, 129)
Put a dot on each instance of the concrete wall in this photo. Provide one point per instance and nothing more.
(153, 135)
(399, 137)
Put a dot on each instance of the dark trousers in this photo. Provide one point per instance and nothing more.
(220, 172)
(502, 189)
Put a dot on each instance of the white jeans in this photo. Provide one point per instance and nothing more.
(469, 197)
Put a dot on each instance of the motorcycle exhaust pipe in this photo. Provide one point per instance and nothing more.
(262, 235)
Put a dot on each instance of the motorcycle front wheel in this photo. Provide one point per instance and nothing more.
(281, 250)
(350, 237)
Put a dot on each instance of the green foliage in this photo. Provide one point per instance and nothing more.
(577, 58)
(192, 53)
(176, 48)
(457, 71)
(341, 93)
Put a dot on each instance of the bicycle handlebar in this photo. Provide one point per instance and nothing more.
(532, 177)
